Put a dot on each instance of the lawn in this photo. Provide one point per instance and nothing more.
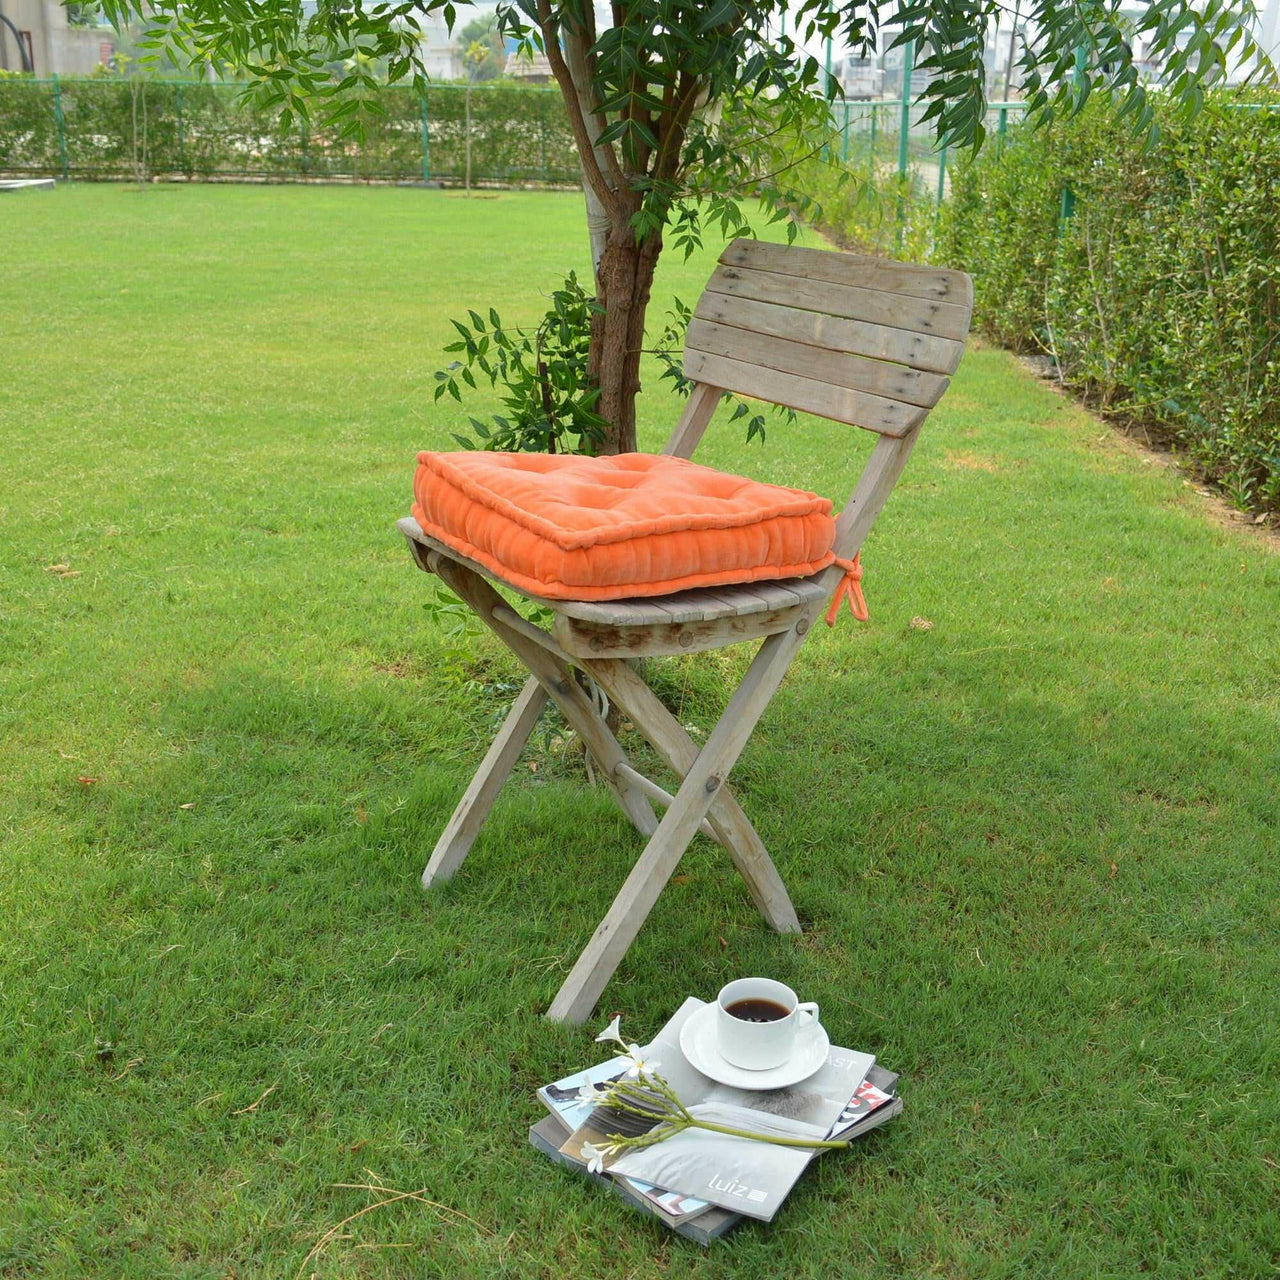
(1034, 843)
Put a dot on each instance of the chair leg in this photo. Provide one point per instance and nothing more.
(731, 826)
(705, 779)
(559, 684)
(460, 833)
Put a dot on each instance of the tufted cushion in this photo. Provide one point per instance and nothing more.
(640, 524)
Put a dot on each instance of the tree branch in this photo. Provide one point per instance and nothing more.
(591, 171)
(581, 64)
(668, 159)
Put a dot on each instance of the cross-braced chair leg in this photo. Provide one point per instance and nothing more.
(557, 681)
(703, 782)
(730, 826)
(460, 833)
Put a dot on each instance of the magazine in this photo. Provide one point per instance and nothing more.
(735, 1173)
(564, 1099)
(878, 1090)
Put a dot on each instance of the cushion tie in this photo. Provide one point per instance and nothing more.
(850, 589)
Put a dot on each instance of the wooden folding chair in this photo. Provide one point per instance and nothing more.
(855, 339)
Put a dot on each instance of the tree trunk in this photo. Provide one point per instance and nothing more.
(468, 179)
(623, 283)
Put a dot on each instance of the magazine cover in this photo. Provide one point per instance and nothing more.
(564, 1097)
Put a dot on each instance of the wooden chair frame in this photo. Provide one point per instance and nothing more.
(856, 339)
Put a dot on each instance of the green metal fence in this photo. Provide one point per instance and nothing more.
(886, 137)
(128, 128)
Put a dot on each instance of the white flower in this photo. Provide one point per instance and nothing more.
(611, 1032)
(588, 1095)
(595, 1156)
(640, 1063)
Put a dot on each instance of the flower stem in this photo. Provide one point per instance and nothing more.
(814, 1143)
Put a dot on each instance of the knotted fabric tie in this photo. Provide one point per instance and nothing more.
(850, 589)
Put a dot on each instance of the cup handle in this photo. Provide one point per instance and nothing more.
(809, 1008)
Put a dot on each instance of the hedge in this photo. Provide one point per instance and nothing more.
(88, 129)
(1155, 283)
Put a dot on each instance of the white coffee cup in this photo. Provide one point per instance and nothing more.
(758, 1046)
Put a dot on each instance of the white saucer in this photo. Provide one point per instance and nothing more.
(698, 1043)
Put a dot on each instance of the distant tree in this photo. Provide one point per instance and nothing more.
(682, 111)
(492, 58)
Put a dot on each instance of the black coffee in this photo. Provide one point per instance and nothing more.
(757, 1010)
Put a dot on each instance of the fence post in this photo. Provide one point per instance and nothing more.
(62, 128)
(177, 102)
(1002, 127)
(1068, 207)
(942, 172)
(426, 143)
(304, 137)
(904, 128)
(904, 135)
(542, 135)
(844, 137)
(871, 154)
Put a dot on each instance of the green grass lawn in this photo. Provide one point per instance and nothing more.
(1035, 844)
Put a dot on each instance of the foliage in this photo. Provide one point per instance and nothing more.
(857, 194)
(662, 62)
(1160, 296)
(198, 130)
(491, 54)
(1049, 822)
(548, 396)
(885, 213)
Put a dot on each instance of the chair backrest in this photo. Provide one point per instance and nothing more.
(857, 339)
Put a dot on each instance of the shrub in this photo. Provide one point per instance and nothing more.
(882, 213)
(201, 131)
(1157, 293)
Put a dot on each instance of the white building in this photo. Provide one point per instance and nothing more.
(36, 36)
(438, 49)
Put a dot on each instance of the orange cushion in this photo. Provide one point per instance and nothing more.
(640, 524)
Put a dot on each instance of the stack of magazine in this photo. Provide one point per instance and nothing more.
(698, 1182)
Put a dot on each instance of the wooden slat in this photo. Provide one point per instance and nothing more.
(460, 833)
(835, 333)
(919, 315)
(692, 606)
(858, 408)
(698, 410)
(853, 269)
(837, 368)
(595, 640)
